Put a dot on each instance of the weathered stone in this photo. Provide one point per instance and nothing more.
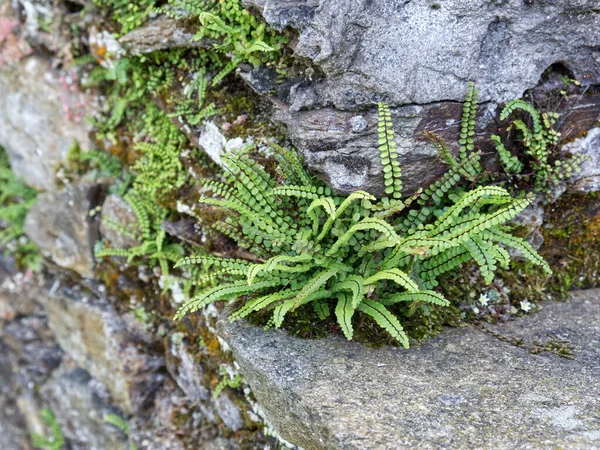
(348, 159)
(191, 378)
(60, 224)
(79, 405)
(159, 34)
(418, 57)
(33, 352)
(462, 389)
(588, 180)
(18, 291)
(105, 345)
(531, 219)
(174, 425)
(41, 116)
(187, 372)
(13, 434)
(118, 222)
(416, 52)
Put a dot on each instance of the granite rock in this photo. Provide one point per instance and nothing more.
(462, 389)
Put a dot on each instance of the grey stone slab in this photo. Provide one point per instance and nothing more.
(462, 389)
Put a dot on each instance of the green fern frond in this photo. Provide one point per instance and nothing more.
(398, 276)
(421, 296)
(385, 319)
(510, 163)
(344, 312)
(392, 174)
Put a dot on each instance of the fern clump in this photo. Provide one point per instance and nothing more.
(356, 254)
(539, 140)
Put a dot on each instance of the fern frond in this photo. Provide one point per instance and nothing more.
(315, 284)
(344, 312)
(225, 292)
(467, 129)
(277, 263)
(389, 236)
(510, 163)
(396, 275)
(308, 192)
(480, 252)
(261, 302)
(385, 320)
(442, 148)
(519, 244)
(229, 263)
(421, 296)
(517, 104)
(354, 284)
(392, 174)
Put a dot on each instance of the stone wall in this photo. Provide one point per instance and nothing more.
(77, 340)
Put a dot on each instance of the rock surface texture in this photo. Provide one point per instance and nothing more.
(418, 58)
(63, 225)
(41, 117)
(463, 389)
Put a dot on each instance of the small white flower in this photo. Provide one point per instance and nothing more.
(484, 299)
(526, 305)
(475, 309)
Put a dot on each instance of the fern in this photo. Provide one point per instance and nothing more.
(388, 153)
(56, 441)
(354, 256)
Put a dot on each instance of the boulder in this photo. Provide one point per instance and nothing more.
(103, 343)
(42, 115)
(463, 389)
(65, 228)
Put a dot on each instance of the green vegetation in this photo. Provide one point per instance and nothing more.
(538, 145)
(353, 254)
(121, 424)
(16, 198)
(56, 440)
(307, 256)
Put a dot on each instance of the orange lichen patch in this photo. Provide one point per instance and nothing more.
(211, 342)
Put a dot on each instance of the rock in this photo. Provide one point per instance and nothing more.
(33, 354)
(13, 428)
(186, 371)
(118, 223)
(79, 405)
(228, 412)
(161, 33)
(462, 389)
(103, 343)
(531, 219)
(42, 116)
(190, 376)
(342, 149)
(18, 292)
(61, 224)
(406, 52)
(417, 57)
(588, 179)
